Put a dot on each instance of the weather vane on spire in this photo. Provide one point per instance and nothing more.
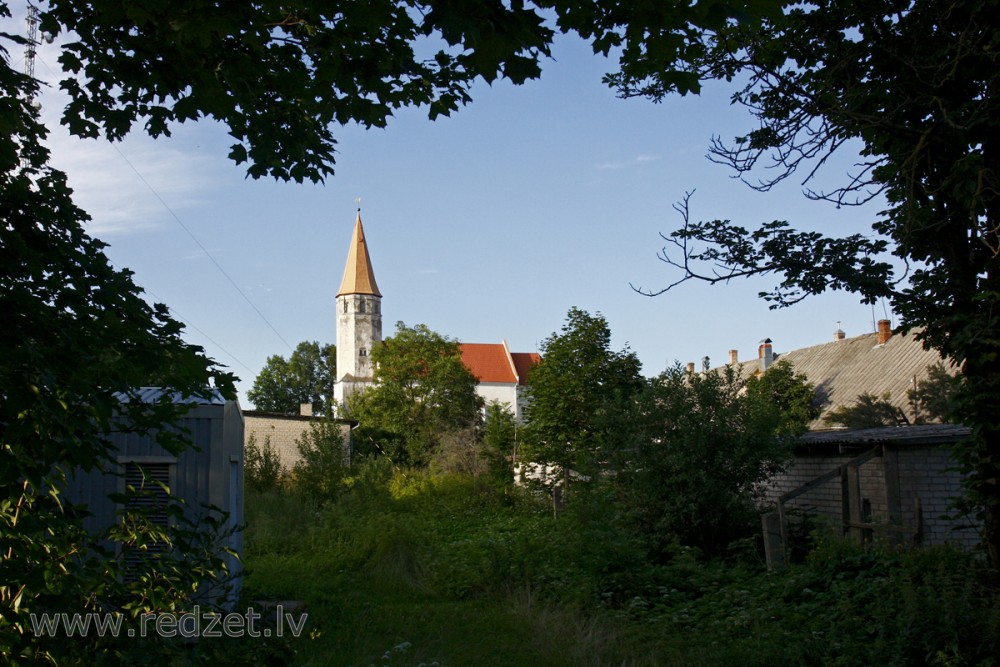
(357, 200)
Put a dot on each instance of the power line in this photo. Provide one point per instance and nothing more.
(203, 248)
(188, 323)
(177, 219)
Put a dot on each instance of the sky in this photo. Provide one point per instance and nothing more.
(487, 225)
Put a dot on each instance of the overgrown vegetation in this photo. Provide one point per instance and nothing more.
(409, 568)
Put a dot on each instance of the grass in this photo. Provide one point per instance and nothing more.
(422, 570)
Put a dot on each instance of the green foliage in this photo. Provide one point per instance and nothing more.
(581, 396)
(791, 394)
(307, 376)
(325, 458)
(936, 397)
(906, 82)
(79, 340)
(697, 474)
(499, 435)
(422, 391)
(262, 469)
(867, 411)
(279, 79)
(433, 560)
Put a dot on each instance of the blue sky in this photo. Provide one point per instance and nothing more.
(487, 225)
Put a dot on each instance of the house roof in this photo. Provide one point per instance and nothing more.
(489, 362)
(359, 278)
(524, 362)
(841, 370)
(155, 394)
(494, 362)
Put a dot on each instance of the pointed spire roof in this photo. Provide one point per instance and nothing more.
(359, 278)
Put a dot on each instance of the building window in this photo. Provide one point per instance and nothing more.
(345, 305)
(361, 305)
(362, 352)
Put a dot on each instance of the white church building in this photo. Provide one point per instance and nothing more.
(501, 374)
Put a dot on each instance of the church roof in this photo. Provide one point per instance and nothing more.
(493, 362)
(524, 362)
(359, 278)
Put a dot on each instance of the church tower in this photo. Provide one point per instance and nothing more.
(359, 320)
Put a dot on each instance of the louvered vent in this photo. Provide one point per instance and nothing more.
(146, 490)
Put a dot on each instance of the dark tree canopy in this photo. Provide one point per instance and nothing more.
(914, 85)
(422, 391)
(580, 395)
(707, 446)
(305, 377)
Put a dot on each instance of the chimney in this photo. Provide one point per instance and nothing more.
(690, 367)
(306, 409)
(839, 334)
(734, 357)
(765, 354)
(884, 332)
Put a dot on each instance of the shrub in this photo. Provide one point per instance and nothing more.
(262, 469)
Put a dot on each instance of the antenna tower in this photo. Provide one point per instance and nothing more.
(32, 45)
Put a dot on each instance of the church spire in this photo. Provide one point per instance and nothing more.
(359, 278)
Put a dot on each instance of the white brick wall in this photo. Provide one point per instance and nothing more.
(284, 431)
(924, 472)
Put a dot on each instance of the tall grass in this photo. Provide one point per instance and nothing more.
(407, 568)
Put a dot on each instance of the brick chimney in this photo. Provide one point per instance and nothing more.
(765, 355)
(305, 409)
(839, 334)
(734, 357)
(884, 332)
(690, 367)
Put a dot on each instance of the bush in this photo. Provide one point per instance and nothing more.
(262, 469)
(320, 472)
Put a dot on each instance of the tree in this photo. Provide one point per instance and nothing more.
(324, 461)
(79, 340)
(790, 393)
(867, 411)
(499, 436)
(581, 396)
(422, 390)
(307, 376)
(935, 398)
(262, 468)
(696, 473)
(912, 84)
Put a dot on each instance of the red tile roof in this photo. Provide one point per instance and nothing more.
(493, 362)
(489, 362)
(523, 363)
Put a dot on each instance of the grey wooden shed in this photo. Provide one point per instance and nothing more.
(207, 474)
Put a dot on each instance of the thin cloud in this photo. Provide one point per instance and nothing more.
(103, 176)
(627, 164)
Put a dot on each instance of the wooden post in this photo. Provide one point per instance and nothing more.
(866, 517)
(894, 504)
(854, 501)
(845, 500)
(774, 544)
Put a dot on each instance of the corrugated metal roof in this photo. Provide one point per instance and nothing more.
(156, 394)
(912, 434)
(841, 370)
